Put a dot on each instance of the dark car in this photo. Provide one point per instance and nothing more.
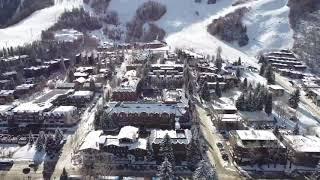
(225, 157)
(219, 145)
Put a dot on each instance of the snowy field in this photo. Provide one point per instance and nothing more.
(30, 28)
(267, 24)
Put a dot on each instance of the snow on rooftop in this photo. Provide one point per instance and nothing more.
(91, 141)
(128, 132)
(303, 143)
(30, 28)
(67, 35)
(276, 87)
(265, 135)
(177, 136)
(81, 80)
(32, 107)
(82, 93)
(64, 109)
(5, 108)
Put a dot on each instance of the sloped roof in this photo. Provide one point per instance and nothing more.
(177, 137)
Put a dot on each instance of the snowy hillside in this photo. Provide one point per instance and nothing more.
(30, 29)
(185, 23)
(267, 24)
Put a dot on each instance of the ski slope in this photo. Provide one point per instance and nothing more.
(267, 24)
(29, 29)
(185, 23)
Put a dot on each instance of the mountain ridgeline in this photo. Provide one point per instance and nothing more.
(13, 11)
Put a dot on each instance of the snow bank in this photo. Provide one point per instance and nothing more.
(29, 29)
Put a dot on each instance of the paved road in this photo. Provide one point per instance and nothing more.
(224, 171)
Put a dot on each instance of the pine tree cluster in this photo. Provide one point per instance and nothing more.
(166, 149)
(48, 142)
(254, 99)
(294, 99)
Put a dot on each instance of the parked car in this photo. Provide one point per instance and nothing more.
(219, 145)
(225, 157)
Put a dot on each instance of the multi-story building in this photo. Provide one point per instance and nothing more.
(148, 115)
(62, 116)
(180, 139)
(256, 146)
(164, 76)
(284, 59)
(127, 142)
(303, 150)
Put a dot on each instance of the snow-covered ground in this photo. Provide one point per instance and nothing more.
(68, 35)
(185, 23)
(29, 29)
(267, 24)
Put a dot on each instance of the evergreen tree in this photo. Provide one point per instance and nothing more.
(49, 143)
(70, 76)
(62, 65)
(250, 102)
(190, 88)
(218, 90)
(262, 59)
(218, 62)
(238, 73)
(260, 101)
(269, 75)
(294, 99)
(239, 61)
(296, 130)
(40, 143)
(139, 88)
(150, 152)
(244, 84)
(193, 153)
(165, 170)
(64, 175)
(262, 69)
(30, 138)
(268, 104)
(92, 85)
(240, 103)
(58, 136)
(204, 172)
(316, 174)
(276, 130)
(166, 149)
(205, 93)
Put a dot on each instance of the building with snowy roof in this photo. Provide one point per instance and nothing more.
(5, 111)
(276, 90)
(165, 76)
(6, 96)
(284, 59)
(80, 98)
(258, 145)
(304, 150)
(180, 140)
(125, 143)
(33, 112)
(127, 90)
(148, 115)
(62, 116)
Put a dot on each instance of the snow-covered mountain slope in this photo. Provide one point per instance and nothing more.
(185, 23)
(267, 24)
(30, 28)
